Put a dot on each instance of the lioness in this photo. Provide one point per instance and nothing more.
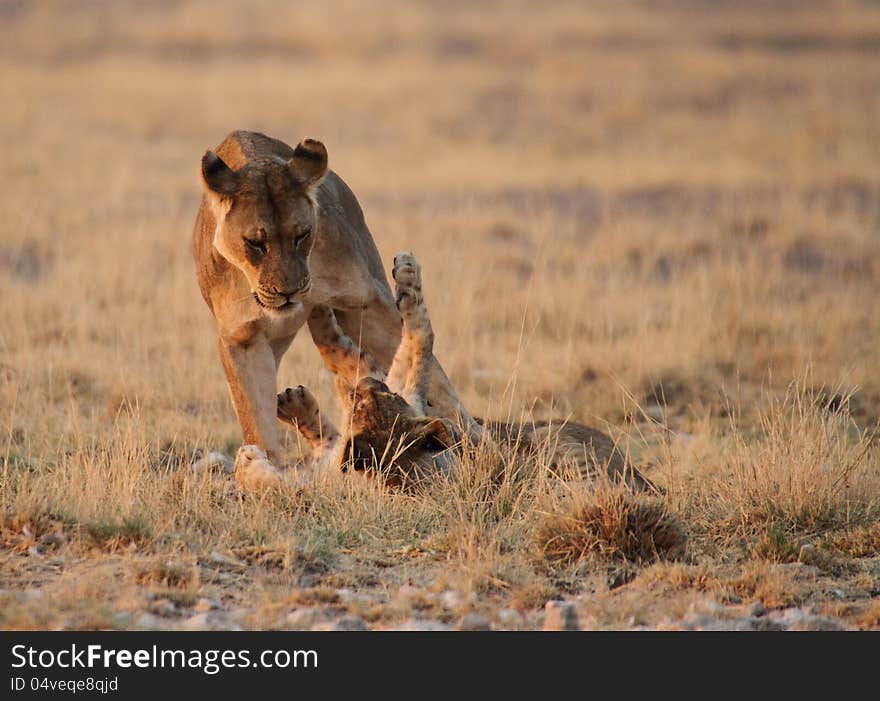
(279, 236)
(390, 427)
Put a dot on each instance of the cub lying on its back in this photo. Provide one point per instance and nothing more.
(388, 428)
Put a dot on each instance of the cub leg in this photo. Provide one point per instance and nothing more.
(299, 408)
(341, 355)
(410, 374)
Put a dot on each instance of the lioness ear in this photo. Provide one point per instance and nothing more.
(309, 163)
(217, 177)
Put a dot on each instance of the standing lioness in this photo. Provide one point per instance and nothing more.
(277, 235)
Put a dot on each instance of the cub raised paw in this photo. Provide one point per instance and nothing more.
(410, 302)
(407, 275)
(298, 406)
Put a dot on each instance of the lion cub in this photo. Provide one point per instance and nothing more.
(389, 431)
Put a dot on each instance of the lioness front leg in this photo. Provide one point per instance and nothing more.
(250, 374)
(410, 374)
(299, 408)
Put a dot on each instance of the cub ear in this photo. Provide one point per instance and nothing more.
(440, 430)
(217, 177)
(309, 163)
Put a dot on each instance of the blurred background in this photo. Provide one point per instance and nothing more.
(649, 216)
(675, 202)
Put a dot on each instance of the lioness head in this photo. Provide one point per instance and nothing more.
(266, 219)
(386, 437)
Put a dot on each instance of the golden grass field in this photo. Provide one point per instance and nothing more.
(661, 219)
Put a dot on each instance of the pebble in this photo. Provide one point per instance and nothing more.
(163, 607)
(510, 618)
(203, 605)
(305, 618)
(756, 609)
(147, 621)
(348, 596)
(453, 600)
(200, 621)
(560, 615)
(347, 623)
(418, 624)
(799, 569)
(473, 621)
(122, 620)
(801, 619)
(215, 462)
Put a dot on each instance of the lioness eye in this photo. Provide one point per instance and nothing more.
(302, 236)
(258, 246)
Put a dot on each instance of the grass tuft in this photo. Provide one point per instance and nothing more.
(611, 522)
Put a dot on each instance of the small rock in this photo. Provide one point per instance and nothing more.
(122, 620)
(238, 614)
(453, 600)
(305, 618)
(348, 597)
(473, 621)
(345, 623)
(799, 619)
(510, 618)
(163, 607)
(697, 621)
(214, 462)
(147, 621)
(811, 622)
(766, 623)
(799, 569)
(204, 605)
(728, 624)
(560, 615)
(200, 621)
(450, 599)
(807, 551)
(756, 609)
(417, 624)
(669, 625)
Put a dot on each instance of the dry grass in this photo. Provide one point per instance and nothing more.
(661, 219)
(609, 521)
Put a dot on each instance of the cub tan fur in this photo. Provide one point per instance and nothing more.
(278, 235)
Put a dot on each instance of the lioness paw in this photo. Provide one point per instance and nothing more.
(253, 471)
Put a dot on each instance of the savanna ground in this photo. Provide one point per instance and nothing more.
(657, 218)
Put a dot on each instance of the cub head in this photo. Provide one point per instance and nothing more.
(266, 220)
(387, 438)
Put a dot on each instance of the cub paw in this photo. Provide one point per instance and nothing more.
(297, 406)
(408, 279)
(254, 472)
